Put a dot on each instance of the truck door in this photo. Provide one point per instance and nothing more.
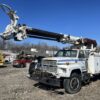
(82, 60)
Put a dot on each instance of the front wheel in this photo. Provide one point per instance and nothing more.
(73, 84)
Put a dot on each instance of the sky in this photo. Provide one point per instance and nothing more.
(75, 17)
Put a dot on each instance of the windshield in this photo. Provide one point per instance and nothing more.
(66, 53)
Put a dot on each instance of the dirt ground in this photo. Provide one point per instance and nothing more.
(15, 85)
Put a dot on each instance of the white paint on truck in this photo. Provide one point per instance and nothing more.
(94, 63)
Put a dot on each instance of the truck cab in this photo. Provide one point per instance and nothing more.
(67, 67)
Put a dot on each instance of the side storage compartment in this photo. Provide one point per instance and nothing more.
(94, 63)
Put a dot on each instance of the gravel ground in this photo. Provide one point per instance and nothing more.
(15, 85)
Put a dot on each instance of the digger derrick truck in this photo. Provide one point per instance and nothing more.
(69, 67)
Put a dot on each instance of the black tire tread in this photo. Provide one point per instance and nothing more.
(67, 82)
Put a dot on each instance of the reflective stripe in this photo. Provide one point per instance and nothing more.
(70, 60)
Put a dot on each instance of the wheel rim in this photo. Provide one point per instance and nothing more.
(74, 83)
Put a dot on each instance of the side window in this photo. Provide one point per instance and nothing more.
(81, 54)
(87, 54)
(60, 53)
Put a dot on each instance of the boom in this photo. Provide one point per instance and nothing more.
(19, 32)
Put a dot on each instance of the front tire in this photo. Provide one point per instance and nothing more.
(73, 84)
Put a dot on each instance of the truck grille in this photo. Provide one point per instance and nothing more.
(50, 65)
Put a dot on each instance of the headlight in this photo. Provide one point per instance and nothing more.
(62, 70)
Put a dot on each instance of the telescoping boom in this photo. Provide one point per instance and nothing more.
(20, 32)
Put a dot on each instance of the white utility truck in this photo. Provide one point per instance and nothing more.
(69, 67)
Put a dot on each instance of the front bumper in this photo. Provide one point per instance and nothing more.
(46, 78)
(3, 65)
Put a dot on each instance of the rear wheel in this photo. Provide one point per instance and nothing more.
(73, 84)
